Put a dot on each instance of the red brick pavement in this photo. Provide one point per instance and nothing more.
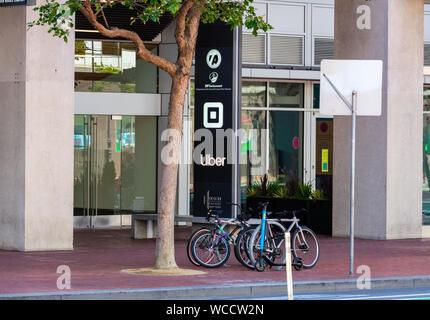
(100, 255)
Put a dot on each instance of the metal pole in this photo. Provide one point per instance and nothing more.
(288, 269)
(352, 180)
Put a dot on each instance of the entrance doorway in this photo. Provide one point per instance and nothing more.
(113, 155)
(322, 147)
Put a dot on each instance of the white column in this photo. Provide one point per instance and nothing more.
(36, 135)
(389, 147)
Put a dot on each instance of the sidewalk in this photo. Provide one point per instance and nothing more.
(100, 255)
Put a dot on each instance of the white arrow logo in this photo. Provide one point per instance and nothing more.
(213, 58)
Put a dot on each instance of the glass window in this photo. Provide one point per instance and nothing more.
(79, 162)
(285, 145)
(126, 144)
(191, 166)
(111, 66)
(115, 164)
(252, 148)
(192, 90)
(426, 104)
(253, 94)
(286, 95)
(426, 170)
(316, 97)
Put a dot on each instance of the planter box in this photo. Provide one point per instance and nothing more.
(319, 218)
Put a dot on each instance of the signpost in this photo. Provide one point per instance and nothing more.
(288, 269)
(351, 87)
(217, 112)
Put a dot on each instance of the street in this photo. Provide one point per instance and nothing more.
(414, 293)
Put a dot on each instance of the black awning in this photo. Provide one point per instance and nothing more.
(119, 16)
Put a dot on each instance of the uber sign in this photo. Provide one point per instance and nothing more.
(216, 110)
(213, 115)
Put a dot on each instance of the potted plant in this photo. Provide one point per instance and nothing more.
(293, 195)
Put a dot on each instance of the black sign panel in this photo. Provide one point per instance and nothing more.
(12, 2)
(214, 113)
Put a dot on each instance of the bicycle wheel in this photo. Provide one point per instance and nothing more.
(241, 247)
(210, 250)
(274, 247)
(304, 245)
(190, 241)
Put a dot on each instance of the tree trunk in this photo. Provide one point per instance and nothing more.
(165, 248)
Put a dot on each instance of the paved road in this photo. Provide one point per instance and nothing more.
(415, 293)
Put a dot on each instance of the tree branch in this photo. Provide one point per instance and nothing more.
(192, 28)
(142, 51)
(181, 20)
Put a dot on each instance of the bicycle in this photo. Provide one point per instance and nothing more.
(216, 241)
(241, 247)
(266, 243)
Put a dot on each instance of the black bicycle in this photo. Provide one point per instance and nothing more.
(210, 247)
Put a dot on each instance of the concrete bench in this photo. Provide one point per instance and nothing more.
(144, 225)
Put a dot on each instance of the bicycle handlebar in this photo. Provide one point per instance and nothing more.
(215, 214)
(212, 213)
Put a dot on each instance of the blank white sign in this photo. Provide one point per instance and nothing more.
(363, 76)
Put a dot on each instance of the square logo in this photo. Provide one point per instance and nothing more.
(213, 115)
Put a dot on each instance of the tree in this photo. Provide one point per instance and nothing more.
(188, 14)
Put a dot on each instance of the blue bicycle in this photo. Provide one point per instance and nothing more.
(267, 247)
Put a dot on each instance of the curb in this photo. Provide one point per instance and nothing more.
(225, 291)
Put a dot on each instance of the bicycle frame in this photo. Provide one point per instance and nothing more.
(218, 237)
(265, 225)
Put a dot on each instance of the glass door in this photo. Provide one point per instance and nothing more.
(115, 170)
(97, 146)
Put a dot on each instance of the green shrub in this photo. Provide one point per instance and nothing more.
(254, 190)
(274, 188)
(304, 191)
(282, 192)
(318, 194)
(292, 189)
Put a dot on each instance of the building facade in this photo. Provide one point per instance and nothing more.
(119, 110)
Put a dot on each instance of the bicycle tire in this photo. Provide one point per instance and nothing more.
(308, 252)
(190, 240)
(241, 247)
(254, 242)
(207, 257)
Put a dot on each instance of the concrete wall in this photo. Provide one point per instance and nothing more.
(388, 147)
(36, 127)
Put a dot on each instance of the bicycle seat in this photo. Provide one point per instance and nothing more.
(243, 217)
